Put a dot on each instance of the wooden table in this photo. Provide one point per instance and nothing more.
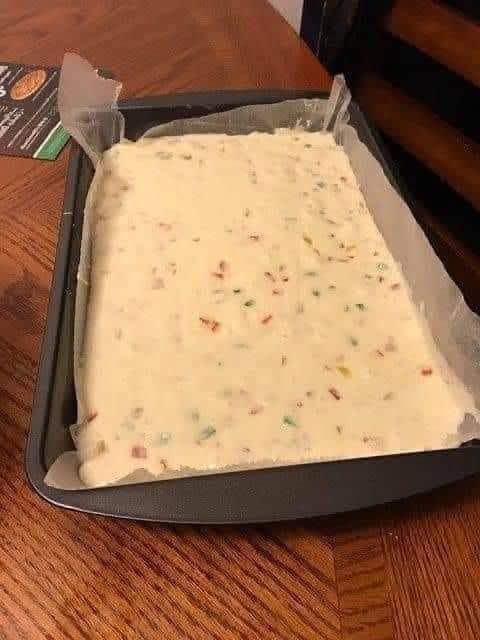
(409, 571)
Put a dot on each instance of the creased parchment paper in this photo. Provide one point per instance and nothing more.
(88, 109)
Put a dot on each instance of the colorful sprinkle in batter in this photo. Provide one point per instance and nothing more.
(244, 309)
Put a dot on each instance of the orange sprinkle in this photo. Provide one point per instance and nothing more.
(213, 325)
(285, 279)
(333, 392)
(379, 353)
(427, 371)
(254, 237)
(254, 410)
(276, 292)
(217, 275)
(138, 451)
(267, 319)
(395, 286)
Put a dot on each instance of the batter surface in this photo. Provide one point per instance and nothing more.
(244, 309)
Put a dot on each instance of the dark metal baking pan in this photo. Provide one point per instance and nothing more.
(261, 495)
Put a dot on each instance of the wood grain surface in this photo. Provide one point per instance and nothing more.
(408, 571)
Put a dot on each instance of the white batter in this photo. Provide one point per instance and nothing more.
(245, 309)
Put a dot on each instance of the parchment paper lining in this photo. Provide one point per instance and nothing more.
(88, 109)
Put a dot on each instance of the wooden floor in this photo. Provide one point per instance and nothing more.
(409, 571)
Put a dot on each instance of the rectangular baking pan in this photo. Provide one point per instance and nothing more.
(280, 493)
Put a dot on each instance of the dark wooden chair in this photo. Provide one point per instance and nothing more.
(408, 68)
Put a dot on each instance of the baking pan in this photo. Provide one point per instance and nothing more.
(279, 493)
